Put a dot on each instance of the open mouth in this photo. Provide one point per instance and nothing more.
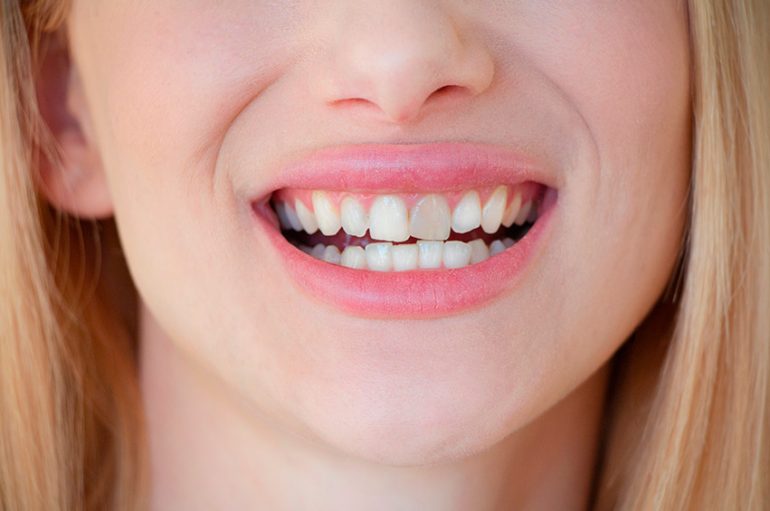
(407, 231)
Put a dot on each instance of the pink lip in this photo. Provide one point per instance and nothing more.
(428, 167)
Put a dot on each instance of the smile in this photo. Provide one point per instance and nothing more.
(408, 230)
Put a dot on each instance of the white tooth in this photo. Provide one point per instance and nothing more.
(430, 254)
(326, 213)
(456, 254)
(496, 247)
(492, 214)
(379, 256)
(508, 242)
(479, 251)
(283, 218)
(332, 254)
(405, 257)
(430, 218)
(388, 219)
(318, 251)
(467, 213)
(354, 257)
(292, 217)
(512, 210)
(523, 213)
(306, 217)
(355, 221)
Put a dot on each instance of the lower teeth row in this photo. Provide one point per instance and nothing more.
(409, 256)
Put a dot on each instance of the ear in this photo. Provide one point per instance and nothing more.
(74, 181)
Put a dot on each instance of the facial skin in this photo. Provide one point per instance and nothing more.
(184, 106)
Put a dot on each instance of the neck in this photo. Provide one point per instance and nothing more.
(209, 451)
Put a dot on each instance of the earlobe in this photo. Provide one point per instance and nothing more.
(74, 181)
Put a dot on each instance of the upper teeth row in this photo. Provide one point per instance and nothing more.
(389, 218)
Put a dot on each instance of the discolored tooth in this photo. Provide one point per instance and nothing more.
(492, 213)
(496, 247)
(318, 251)
(456, 254)
(332, 254)
(388, 219)
(305, 249)
(354, 219)
(306, 217)
(326, 214)
(405, 257)
(512, 210)
(508, 242)
(430, 218)
(430, 254)
(379, 256)
(523, 213)
(354, 257)
(479, 251)
(467, 213)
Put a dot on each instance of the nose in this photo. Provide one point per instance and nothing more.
(399, 56)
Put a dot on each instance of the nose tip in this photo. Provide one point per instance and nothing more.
(401, 55)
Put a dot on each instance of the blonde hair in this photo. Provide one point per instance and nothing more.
(688, 417)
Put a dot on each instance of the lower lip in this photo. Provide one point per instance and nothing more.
(417, 294)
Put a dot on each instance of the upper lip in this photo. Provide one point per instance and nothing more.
(410, 168)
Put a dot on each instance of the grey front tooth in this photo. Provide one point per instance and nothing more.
(430, 218)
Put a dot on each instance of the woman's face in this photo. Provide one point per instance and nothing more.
(199, 112)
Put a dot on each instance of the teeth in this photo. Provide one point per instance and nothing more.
(354, 257)
(479, 251)
(429, 218)
(492, 214)
(405, 257)
(430, 254)
(306, 217)
(332, 254)
(355, 221)
(512, 210)
(379, 256)
(326, 213)
(456, 254)
(318, 251)
(388, 219)
(508, 242)
(467, 213)
(287, 216)
(496, 247)
(523, 213)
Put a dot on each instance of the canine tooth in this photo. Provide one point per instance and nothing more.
(430, 254)
(512, 210)
(496, 247)
(479, 251)
(508, 242)
(405, 257)
(467, 213)
(318, 251)
(430, 218)
(388, 219)
(379, 256)
(306, 217)
(332, 254)
(326, 213)
(354, 219)
(354, 257)
(492, 213)
(523, 213)
(456, 254)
